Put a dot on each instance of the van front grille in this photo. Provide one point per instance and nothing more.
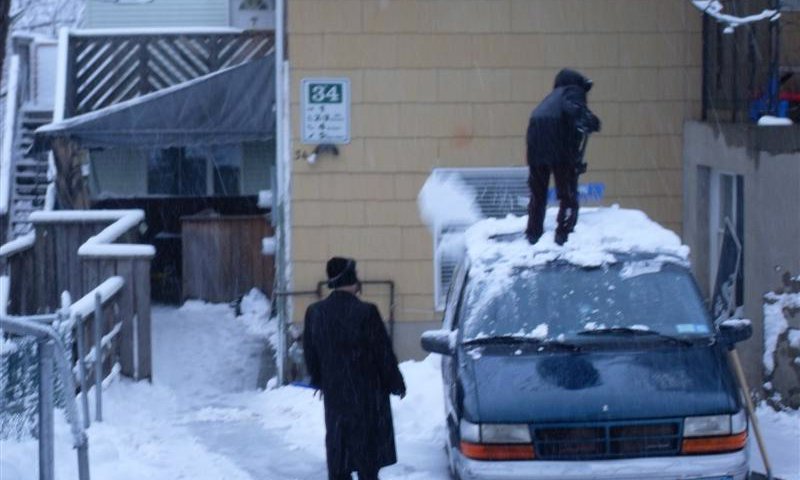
(607, 441)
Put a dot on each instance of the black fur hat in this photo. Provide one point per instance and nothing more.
(341, 272)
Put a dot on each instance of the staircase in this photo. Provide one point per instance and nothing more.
(29, 173)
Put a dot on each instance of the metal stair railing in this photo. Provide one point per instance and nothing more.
(52, 353)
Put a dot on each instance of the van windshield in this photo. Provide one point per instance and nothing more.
(562, 302)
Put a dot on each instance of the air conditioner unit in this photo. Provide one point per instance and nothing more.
(498, 192)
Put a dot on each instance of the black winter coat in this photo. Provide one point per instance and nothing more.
(558, 124)
(350, 359)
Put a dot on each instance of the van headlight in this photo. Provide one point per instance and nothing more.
(714, 433)
(496, 441)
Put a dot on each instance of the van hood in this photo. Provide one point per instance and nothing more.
(502, 384)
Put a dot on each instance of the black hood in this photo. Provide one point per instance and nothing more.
(553, 387)
(567, 77)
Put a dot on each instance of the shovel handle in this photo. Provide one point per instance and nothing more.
(737, 366)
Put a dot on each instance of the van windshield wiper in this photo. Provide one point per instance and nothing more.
(635, 332)
(519, 339)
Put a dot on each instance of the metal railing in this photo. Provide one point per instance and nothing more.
(52, 352)
(742, 74)
(88, 313)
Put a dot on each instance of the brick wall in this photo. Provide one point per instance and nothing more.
(451, 83)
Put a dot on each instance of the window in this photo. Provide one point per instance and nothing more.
(726, 236)
(255, 5)
(570, 299)
(195, 171)
(255, 14)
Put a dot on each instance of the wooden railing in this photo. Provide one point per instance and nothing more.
(77, 252)
(96, 321)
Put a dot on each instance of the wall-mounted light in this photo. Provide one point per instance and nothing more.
(322, 149)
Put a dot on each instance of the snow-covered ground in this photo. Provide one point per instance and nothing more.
(203, 418)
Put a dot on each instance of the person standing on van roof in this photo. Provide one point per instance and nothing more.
(556, 140)
(350, 360)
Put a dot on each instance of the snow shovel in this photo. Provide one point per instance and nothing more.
(737, 366)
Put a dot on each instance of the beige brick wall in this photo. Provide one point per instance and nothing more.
(451, 83)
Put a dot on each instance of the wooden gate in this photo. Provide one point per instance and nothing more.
(222, 257)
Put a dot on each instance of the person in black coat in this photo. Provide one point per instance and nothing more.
(350, 360)
(557, 132)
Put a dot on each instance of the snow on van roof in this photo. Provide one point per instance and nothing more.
(599, 237)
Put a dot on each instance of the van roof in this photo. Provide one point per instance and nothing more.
(602, 236)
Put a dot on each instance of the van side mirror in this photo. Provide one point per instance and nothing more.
(735, 330)
(439, 341)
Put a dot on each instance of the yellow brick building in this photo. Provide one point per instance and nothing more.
(451, 83)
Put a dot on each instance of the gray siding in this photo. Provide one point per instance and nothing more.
(767, 159)
(158, 13)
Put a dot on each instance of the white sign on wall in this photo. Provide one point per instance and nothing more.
(325, 110)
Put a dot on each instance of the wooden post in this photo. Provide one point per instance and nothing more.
(143, 353)
(61, 259)
(72, 190)
(127, 311)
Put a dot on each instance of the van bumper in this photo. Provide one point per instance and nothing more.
(729, 466)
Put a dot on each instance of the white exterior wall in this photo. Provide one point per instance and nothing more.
(44, 74)
(157, 13)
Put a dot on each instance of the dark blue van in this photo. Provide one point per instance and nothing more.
(554, 370)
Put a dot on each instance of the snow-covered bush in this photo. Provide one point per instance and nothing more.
(782, 344)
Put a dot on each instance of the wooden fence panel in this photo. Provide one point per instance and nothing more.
(56, 266)
(40, 273)
(74, 284)
(22, 300)
(222, 257)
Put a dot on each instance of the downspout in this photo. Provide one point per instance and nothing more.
(283, 185)
(774, 65)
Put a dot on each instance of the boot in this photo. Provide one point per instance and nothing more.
(532, 239)
(561, 237)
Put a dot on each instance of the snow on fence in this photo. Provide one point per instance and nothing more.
(97, 325)
(86, 253)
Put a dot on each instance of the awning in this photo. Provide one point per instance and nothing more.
(233, 105)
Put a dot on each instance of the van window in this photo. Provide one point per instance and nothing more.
(563, 300)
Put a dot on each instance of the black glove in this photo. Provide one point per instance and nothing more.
(580, 168)
(400, 392)
(593, 123)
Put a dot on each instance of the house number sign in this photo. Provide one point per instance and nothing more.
(325, 110)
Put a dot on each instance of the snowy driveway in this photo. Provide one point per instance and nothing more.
(204, 419)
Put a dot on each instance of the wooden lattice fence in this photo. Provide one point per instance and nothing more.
(107, 69)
